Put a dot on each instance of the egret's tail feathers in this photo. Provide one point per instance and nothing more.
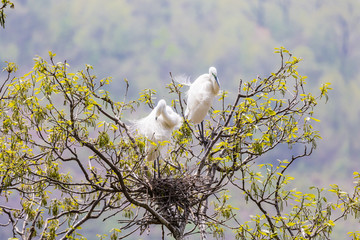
(183, 79)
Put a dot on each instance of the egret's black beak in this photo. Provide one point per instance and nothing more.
(216, 79)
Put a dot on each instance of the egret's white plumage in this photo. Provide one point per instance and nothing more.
(201, 95)
(157, 126)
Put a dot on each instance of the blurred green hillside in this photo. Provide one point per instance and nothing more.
(143, 41)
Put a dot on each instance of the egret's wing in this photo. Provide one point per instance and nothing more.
(183, 79)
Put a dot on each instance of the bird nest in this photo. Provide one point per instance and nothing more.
(180, 191)
(173, 198)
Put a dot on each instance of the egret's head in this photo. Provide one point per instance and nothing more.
(160, 107)
(213, 75)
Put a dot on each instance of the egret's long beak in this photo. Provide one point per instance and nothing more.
(216, 79)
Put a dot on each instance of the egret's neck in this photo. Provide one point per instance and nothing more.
(158, 111)
(169, 120)
(216, 87)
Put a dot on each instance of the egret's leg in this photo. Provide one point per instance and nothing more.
(201, 132)
(158, 165)
(154, 168)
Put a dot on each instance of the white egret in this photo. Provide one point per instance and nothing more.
(200, 98)
(157, 127)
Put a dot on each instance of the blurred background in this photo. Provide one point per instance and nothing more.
(143, 40)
